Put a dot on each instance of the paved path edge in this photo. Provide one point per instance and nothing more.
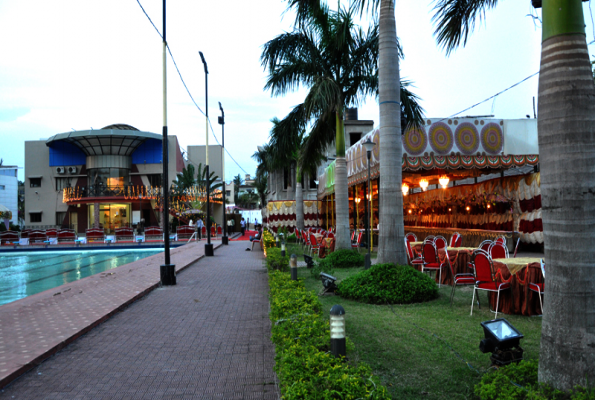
(50, 352)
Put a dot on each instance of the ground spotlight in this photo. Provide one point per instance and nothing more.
(328, 281)
(502, 340)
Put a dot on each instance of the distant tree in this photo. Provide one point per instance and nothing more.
(237, 182)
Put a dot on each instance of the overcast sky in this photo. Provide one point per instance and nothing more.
(81, 64)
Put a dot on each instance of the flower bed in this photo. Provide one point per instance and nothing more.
(305, 368)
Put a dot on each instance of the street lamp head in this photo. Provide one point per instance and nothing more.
(369, 145)
(202, 57)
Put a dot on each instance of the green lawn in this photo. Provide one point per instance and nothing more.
(417, 350)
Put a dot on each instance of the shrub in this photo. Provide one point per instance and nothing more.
(519, 382)
(338, 259)
(395, 284)
(275, 261)
(268, 241)
(301, 335)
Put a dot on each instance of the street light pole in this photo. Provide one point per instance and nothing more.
(167, 270)
(369, 145)
(208, 245)
(224, 238)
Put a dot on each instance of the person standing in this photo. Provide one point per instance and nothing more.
(243, 225)
(199, 225)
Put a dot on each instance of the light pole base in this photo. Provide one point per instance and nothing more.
(209, 250)
(168, 274)
(225, 240)
(367, 261)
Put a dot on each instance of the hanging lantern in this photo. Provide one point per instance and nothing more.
(444, 181)
(405, 189)
(423, 184)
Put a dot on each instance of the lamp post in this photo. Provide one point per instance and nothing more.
(221, 120)
(369, 145)
(167, 270)
(293, 267)
(208, 245)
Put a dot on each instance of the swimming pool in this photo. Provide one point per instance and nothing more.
(23, 274)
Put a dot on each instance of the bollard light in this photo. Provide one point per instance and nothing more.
(283, 248)
(338, 347)
(277, 241)
(293, 265)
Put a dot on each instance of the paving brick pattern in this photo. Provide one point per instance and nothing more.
(208, 337)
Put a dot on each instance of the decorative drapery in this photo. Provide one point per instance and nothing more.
(278, 214)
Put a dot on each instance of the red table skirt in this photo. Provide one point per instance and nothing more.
(518, 299)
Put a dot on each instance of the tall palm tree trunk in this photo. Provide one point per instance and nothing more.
(566, 127)
(390, 247)
(341, 193)
(299, 201)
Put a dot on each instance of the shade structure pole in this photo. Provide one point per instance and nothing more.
(208, 245)
(167, 270)
(224, 238)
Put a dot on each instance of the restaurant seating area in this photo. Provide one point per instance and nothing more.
(514, 285)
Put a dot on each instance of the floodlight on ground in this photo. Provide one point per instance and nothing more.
(328, 281)
(309, 261)
(502, 340)
(338, 347)
(293, 265)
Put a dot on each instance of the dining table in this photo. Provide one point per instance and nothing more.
(518, 272)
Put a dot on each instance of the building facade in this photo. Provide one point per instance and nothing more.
(111, 176)
(9, 190)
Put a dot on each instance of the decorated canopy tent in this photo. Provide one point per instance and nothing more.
(279, 214)
(456, 149)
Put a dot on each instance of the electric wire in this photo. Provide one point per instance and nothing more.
(186, 87)
(497, 94)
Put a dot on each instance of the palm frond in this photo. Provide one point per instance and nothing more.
(455, 19)
(411, 111)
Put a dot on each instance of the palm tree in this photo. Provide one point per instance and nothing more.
(185, 179)
(327, 53)
(237, 182)
(260, 184)
(394, 99)
(566, 131)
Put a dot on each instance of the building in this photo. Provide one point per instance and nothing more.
(9, 190)
(281, 184)
(111, 175)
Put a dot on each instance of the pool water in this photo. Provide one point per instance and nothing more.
(25, 274)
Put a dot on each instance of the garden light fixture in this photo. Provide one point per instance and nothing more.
(293, 265)
(328, 281)
(283, 248)
(338, 347)
(309, 261)
(502, 340)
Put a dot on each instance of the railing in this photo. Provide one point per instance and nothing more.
(100, 190)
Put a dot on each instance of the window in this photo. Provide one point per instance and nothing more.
(154, 180)
(62, 183)
(313, 184)
(228, 193)
(60, 216)
(2, 187)
(35, 182)
(354, 137)
(285, 178)
(35, 217)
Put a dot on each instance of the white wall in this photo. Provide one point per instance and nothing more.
(9, 191)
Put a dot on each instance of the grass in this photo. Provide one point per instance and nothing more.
(417, 350)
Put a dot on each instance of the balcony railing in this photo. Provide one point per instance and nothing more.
(128, 192)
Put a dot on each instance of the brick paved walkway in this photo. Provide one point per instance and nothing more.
(207, 337)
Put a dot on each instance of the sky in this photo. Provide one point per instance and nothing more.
(80, 64)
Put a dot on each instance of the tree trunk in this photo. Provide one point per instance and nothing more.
(299, 206)
(341, 193)
(391, 247)
(567, 159)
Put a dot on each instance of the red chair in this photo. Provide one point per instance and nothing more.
(314, 245)
(213, 231)
(455, 240)
(330, 235)
(305, 241)
(539, 287)
(497, 250)
(484, 277)
(219, 231)
(203, 231)
(357, 243)
(410, 237)
(501, 240)
(413, 261)
(431, 262)
(459, 280)
(440, 242)
(485, 245)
